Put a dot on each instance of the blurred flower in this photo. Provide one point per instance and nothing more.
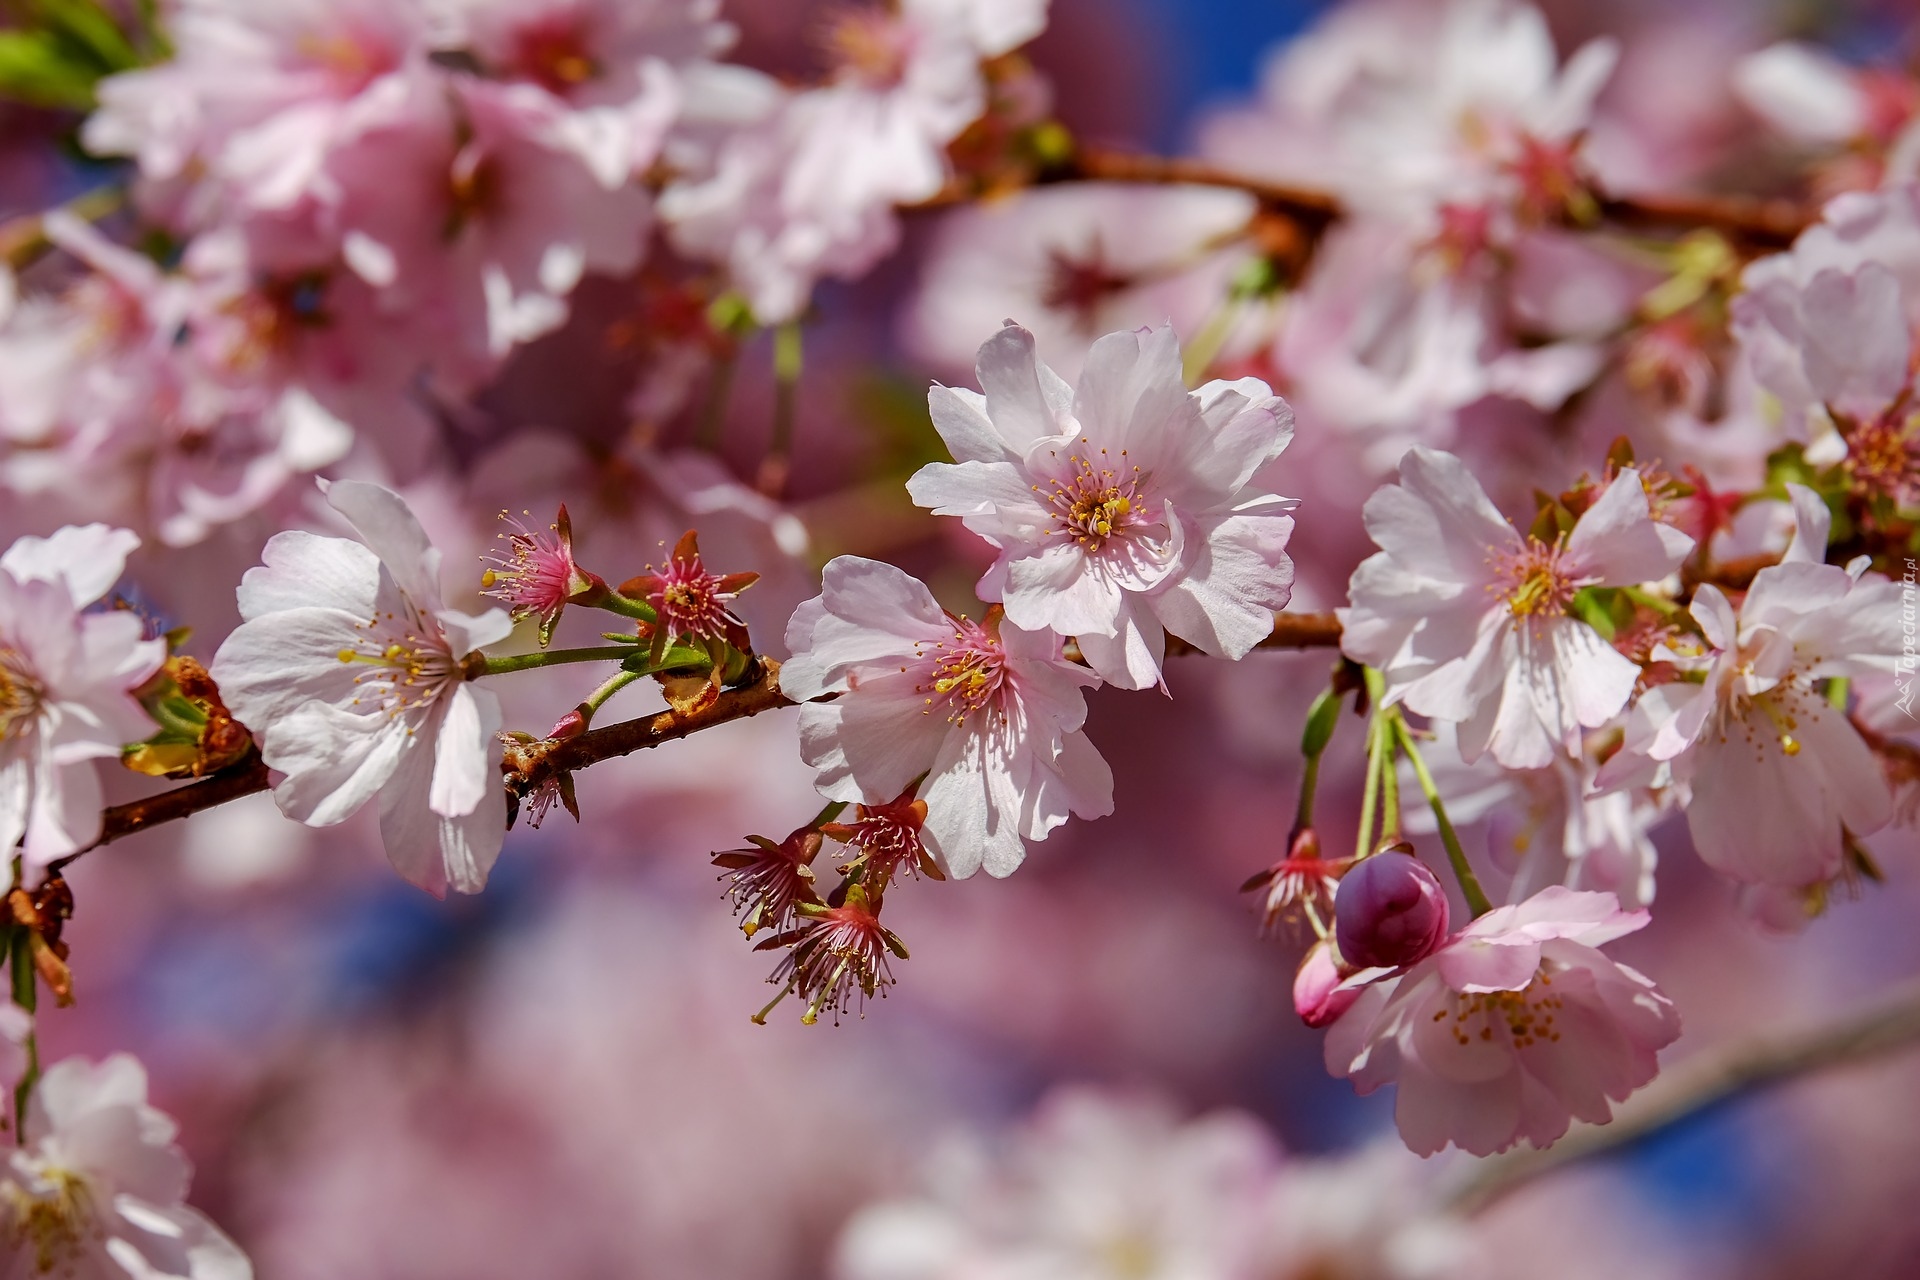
(353, 678)
(991, 714)
(67, 675)
(95, 1188)
(1471, 623)
(1514, 1027)
(1076, 262)
(1123, 510)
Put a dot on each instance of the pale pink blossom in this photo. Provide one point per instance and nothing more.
(1404, 106)
(1098, 1185)
(355, 681)
(612, 63)
(66, 679)
(1123, 510)
(470, 200)
(1079, 261)
(1809, 96)
(1829, 331)
(1470, 622)
(785, 188)
(1515, 1027)
(991, 714)
(94, 1190)
(1777, 776)
(257, 96)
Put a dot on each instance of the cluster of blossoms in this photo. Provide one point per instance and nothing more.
(347, 224)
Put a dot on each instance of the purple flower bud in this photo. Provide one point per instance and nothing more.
(1389, 911)
(1316, 994)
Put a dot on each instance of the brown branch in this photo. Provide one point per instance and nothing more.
(1757, 224)
(1889, 1023)
(122, 820)
(526, 766)
(24, 239)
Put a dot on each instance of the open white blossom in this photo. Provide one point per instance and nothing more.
(1471, 622)
(66, 677)
(353, 678)
(94, 1191)
(990, 714)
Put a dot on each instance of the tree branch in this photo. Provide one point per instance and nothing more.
(527, 766)
(1890, 1023)
(1760, 225)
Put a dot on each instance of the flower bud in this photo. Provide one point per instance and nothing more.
(1316, 994)
(1389, 911)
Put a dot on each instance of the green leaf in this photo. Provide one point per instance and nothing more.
(677, 657)
(1595, 606)
(35, 68)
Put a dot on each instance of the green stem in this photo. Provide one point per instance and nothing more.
(1206, 345)
(1462, 870)
(1309, 783)
(627, 607)
(828, 814)
(556, 658)
(26, 995)
(1370, 797)
(1837, 693)
(598, 698)
(1389, 783)
(707, 435)
(786, 395)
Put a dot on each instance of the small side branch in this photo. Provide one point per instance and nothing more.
(1890, 1023)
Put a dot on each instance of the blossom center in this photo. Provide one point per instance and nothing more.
(409, 663)
(555, 55)
(535, 576)
(1883, 457)
(967, 673)
(19, 695)
(1533, 581)
(869, 46)
(1527, 1014)
(1096, 501)
(52, 1226)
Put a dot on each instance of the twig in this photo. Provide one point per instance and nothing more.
(527, 766)
(1760, 225)
(1889, 1023)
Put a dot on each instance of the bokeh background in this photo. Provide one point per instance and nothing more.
(559, 1078)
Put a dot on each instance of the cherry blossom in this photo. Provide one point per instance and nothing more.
(354, 678)
(95, 1188)
(67, 673)
(1778, 777)
(1077, 262)
(1470, 622)
(1512, 1029)
(1125, 509)
(1828, 330)
(803, 184)
(990, 713)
